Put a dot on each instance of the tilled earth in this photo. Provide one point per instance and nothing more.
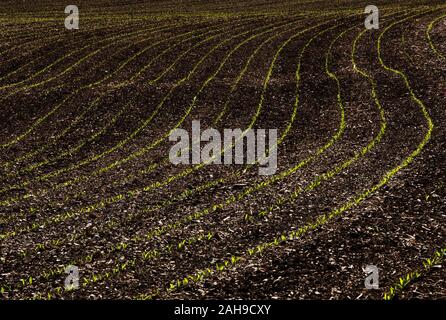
(86, 180)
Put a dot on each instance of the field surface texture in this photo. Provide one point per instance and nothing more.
(85, 176)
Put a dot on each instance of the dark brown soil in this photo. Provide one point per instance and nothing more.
(85, 178)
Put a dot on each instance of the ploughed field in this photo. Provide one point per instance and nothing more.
(85, 176)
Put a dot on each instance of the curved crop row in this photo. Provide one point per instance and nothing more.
(159, 140)
(73, 150)
(324, 218)
(96, 101)
(41, 119)
(405, 281)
